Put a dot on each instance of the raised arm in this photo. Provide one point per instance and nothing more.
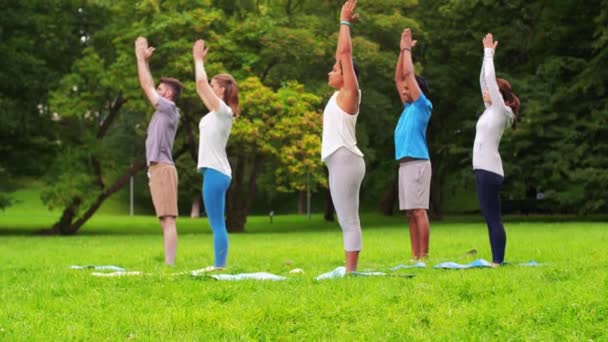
(482, 81)
(399, 77)
(488, 70)
(143, 52)
(204, 90)
(348, 98)
(408, 65)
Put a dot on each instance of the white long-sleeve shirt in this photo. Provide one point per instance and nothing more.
(492, 122)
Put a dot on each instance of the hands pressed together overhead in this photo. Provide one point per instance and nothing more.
(142, 50)
(489, 42)
(199, 50)
(406, 40)
(347, 12)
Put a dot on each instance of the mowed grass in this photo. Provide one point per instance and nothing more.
(42, 299)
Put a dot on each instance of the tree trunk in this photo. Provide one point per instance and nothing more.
(253, 184)
(113, 112)
(195, 210)
(435, 210)
(329, 207)
(67, 226)
(301, 202)
(235, 206)
(241, 194)
(329, 203)
(62, 227)
(390, 197)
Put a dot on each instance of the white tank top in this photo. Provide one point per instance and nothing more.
(338, 129)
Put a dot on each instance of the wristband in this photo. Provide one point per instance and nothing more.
(345, 22)
(408, 49)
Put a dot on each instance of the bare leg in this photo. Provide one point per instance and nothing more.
(422, 227)
(351, 260)
(170, 238)
(413, 234)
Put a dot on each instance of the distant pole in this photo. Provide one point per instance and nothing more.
(308, 194)
(131, 196)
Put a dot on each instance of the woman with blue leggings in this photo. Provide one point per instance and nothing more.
(502, 109)
(221, 97)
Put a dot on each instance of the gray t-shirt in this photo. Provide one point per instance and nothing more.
(161, 132)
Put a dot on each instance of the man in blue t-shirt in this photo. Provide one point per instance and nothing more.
(411, 150)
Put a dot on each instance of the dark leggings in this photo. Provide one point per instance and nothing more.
(488, 191)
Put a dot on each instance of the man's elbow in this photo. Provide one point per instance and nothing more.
(344, 52)
(408, 74)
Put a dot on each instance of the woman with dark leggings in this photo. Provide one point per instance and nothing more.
(502, 109)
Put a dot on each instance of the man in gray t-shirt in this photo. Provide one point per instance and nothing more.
(159, 145)
(161, 131)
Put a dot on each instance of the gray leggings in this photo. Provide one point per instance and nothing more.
(346, 172)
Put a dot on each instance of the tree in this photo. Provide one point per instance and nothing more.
(101, 87)
(39, 40)
(281, 128)
(550, 52)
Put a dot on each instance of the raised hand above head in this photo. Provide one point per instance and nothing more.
(406, 39)
(488, 41)
(142, 50)
(347, 12)
(199, 50)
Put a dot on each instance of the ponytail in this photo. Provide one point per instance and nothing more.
(511, 100)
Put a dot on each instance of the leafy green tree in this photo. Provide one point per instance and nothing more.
(38, 40)
(551, 53)
(102, 88)
(100, 96)
(280, 52)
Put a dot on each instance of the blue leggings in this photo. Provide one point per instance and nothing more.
(215, 185)
(488, 192)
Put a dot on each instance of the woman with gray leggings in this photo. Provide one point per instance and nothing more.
(339, 148)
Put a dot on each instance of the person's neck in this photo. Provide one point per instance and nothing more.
(168, 99)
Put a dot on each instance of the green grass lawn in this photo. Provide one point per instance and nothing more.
(42, 299)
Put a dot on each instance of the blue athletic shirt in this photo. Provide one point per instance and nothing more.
(410, 133)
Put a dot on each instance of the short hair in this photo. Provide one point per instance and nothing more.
(423, 85)
(175, 84)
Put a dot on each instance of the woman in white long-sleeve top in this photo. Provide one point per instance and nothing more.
(502, 110)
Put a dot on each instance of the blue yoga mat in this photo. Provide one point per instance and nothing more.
(340, 272)
(449, 265)
(419, 264)
(248, 276)
(98, 268)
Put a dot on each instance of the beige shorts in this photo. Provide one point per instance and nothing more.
(163, 188)
(414, 184)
